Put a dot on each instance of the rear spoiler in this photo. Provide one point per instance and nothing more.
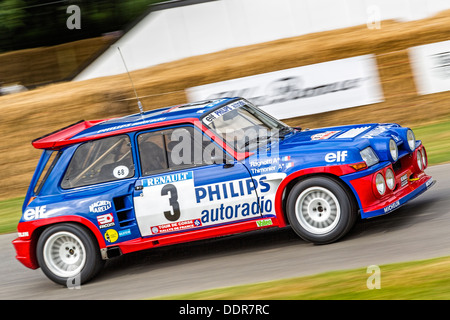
(61, 137)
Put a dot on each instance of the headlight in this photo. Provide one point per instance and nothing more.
(419, 160)
(411, 139)
(393, 150)
(424, 158)
(390, 179)
(380, 184)
(369, 156)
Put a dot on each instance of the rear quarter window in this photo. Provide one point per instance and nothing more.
(52, 160)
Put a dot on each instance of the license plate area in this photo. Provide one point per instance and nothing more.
(404, 180)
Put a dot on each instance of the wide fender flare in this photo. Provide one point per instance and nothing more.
(32, 226)
(337, 171)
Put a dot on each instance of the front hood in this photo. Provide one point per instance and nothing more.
(350, 133)
(335, 146)
(376, 135)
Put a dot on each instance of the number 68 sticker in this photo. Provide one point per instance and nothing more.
(121, 172)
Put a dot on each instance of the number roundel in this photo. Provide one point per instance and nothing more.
(121, 172)
(173, 200)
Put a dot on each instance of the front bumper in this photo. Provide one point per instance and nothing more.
(397, 199)
(410, 182)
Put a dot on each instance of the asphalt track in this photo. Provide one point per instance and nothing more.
(418, 230)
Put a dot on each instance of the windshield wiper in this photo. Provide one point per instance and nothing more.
(257, 140)
(285, 131)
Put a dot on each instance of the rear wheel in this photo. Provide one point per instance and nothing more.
(320, 210)
(68, 252)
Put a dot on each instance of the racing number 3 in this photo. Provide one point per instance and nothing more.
(172, 201)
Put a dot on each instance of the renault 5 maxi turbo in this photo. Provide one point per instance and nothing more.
(109, 187)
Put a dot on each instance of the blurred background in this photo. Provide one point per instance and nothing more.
(58, 30)
(312, 63)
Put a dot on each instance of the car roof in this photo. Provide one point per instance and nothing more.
(89, 130)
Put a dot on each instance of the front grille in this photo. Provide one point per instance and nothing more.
(397, 166)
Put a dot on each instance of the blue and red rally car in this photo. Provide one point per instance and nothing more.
(109, 187)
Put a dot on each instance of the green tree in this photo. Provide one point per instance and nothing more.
(34, 23)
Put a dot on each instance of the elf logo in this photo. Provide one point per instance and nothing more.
(336, 157)
(39, 212)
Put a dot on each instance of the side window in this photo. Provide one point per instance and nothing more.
(175, 149)
(152, 152)
(99, 161)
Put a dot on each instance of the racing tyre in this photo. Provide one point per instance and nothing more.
(68, 254)
(320, 210)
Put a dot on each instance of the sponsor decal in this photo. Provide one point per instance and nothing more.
(323, 135)
(169, 178)
(429, 182)
(221, 111)
(39, 212)
(376, 131)
(106, 221)
(111, 235)
(392, 207)
(237, 211)
(265, 222)
(23, 234)
(123, 233)
(100, 206)
(178, 204)
(336, 157)
(404, 180)
(176, 226)
(216, 193)
(352, 133)
(130, 125)
(231, 189)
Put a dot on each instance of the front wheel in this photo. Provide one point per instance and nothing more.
(320, 210)
(68, 252)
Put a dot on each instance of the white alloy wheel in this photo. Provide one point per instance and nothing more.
(317, 210)
(64, 254)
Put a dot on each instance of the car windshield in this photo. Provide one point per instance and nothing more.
(245, 127)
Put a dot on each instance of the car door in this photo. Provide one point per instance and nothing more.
(182, 186)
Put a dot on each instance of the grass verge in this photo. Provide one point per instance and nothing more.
(424, 280)
(436, 139)
(10, 212)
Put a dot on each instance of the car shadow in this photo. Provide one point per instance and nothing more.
(414, 212)
(161, 257)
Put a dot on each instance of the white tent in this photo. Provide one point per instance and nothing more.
(178, 29)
